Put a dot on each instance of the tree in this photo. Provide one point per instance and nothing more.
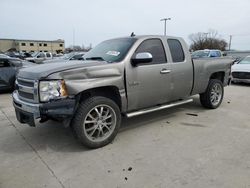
(209, 40)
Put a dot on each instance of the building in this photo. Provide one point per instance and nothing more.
(55, 46)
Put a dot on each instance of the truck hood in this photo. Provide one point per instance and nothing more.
(44, 70)
(241, 68)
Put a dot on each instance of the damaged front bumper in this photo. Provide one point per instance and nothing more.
(30, 113)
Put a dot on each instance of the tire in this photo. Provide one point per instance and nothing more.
(213, 95)
(96, 122)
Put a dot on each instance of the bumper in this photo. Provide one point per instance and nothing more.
(30, 112)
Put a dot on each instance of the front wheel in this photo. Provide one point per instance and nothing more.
(97, 121)
(213, 95)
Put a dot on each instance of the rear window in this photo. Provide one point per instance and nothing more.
(176, 50)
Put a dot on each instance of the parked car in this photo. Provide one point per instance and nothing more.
(207, 53)
(4, 56)
(8, 69)
(67, 57)
(15, 54)
(39, 57)
(125, 76)
(241, 71)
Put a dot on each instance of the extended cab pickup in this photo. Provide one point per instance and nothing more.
(125, 76)
(39, 57)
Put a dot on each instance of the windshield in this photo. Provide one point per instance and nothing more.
(67, 56)
(246, 60)
(200, 54)
(35, 54)
(113, 50)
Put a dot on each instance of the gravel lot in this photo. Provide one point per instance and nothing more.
(186, 146)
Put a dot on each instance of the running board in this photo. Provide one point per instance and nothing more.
(148, 110)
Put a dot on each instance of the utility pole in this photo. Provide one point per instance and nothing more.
(73, 38)
(230, 42)
(165, 24)
(206, 35)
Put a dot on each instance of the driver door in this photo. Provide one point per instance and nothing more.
(148, 84)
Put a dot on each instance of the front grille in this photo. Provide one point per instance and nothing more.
(27, 90)
(26, 95)
(25, 82)
(241, 75)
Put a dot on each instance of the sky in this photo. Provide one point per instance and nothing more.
(94, 21)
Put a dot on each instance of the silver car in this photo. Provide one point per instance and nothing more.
(241, 71)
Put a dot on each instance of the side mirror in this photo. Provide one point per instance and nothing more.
(144, 57)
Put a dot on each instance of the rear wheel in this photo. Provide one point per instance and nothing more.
(96, 122)
(213, 95)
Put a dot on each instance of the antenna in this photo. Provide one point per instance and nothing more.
(132, 34)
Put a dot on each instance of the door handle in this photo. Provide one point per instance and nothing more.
(165, 71)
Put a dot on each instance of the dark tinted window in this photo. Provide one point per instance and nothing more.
(155, 47)
(31, 44)
(4, 63)
(48, 55)
(77, 57)
(44, 44)
(176, 50)
(41, 55)
(23, 44)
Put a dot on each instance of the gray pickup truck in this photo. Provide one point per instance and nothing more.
(126, 76)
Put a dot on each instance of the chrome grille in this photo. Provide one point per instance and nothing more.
(27, 90)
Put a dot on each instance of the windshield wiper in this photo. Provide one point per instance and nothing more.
(95, 58)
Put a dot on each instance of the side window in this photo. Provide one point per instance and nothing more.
(41, 55)
(48, 55)
(155, 47)
(176, 50)
(4, 63)
(218, 54)
(213, 54)
(77, 57)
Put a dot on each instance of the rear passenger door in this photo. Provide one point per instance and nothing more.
(181, 69)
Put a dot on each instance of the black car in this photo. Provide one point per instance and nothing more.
(8, 69)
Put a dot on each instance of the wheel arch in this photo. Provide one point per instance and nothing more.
(111, 92)
(218, 75)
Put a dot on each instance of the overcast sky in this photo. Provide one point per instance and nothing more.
(96, 20)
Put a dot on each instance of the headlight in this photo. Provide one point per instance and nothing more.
(55, 89)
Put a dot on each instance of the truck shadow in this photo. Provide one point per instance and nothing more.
(51, 136)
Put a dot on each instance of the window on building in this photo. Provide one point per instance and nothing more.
(44, 44)
(61, 45)
(45, 51)
(155, 47)
(40, 44)
(24, 51)
(23, 44)
(31, 44)
(176, 50)
(32, 51)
